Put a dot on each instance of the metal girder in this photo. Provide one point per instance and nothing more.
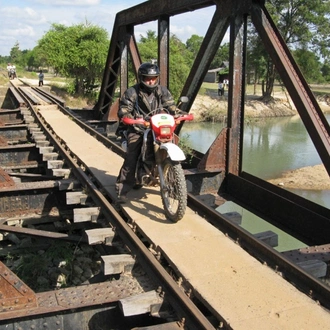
(303, 98)
(15, 295)
(303, 219)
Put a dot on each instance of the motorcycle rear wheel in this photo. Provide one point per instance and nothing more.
(174, 196)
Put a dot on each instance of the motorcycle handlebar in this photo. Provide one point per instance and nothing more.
(182, 117)
(132, 121)
(141, 121)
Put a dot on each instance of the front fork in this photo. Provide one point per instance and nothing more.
(159, 159)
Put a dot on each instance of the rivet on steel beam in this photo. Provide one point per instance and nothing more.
(220, 325)
(159, 289)
(179, 281)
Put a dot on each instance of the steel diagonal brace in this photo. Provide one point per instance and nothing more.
(303, 98)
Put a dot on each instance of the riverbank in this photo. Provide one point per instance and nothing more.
(211, 107)
(307, 178)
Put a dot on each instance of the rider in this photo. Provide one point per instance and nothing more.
(9, 67)
(138, 101)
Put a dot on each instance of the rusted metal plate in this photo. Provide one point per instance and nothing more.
(14, 294)
(5, 179)
(215, 158)
(78, 297)
(320, 252)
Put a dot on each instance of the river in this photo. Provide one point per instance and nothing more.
(271, 146)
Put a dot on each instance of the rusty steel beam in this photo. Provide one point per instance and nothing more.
(151, 10)
(40, 233)
(236, 94)
(301, 218)
(15, 295)
(163, 49)
(303, 98)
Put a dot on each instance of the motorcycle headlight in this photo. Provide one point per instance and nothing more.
(165, 130)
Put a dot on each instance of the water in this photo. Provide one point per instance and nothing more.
(270, 147)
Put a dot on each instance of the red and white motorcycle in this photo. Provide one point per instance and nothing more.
(163, 168)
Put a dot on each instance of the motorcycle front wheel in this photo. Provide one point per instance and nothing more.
(174, 194)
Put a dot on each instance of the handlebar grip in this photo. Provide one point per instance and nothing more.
(132, 121)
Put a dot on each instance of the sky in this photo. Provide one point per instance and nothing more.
(26, 21)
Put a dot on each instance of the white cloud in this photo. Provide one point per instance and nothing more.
(27, 21)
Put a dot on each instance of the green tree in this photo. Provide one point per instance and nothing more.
(16, 55)
(222, 55)
(302, 24)
(325, 69)
(193, 44)
(179, 59)
(309, 64)
(77, 52)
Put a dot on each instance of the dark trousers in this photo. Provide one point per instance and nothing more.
(126, 178)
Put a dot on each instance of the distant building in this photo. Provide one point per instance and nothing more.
(215, 75)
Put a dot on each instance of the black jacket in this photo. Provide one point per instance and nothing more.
(136, 102)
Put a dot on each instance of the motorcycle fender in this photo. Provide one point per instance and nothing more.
(174, 152)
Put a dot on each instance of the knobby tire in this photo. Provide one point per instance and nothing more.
(174, 197)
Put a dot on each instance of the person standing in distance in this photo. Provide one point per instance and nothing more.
(136, 102)
(41, 78)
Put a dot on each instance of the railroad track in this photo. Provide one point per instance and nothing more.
(55, 166)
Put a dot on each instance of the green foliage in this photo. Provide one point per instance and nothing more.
(185, 144)
(16, 54)
(31, 266)
(325, 69)
(309, 64)
(303, 25)
(179, 59)
(78, 52)
(193, 44)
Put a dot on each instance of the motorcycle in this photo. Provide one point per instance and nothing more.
(164, 167)
(12, 74)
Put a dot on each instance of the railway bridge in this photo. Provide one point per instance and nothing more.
(58, 169)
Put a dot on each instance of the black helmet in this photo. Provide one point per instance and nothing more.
(148, 70)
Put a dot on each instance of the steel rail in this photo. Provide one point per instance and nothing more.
(190, 315)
